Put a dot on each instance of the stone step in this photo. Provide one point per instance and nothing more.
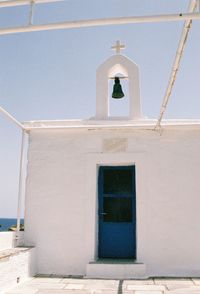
(115, 269)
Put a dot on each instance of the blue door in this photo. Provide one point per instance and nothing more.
(117, 212)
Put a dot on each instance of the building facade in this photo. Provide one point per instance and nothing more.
(112, 197)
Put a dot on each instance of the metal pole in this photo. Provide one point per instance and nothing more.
(31, 12)
(4, 4)
(101, 22)
(10, 117)
(175, 68)
(20, 187)
(21, 182)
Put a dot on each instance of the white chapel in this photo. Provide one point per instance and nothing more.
(111, 197)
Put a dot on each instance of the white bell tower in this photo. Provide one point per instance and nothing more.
(113, 66)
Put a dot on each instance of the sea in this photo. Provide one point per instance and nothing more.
(6, 223)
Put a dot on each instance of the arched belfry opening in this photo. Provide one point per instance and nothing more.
(117, 66)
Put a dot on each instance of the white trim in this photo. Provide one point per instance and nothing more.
(78, 125)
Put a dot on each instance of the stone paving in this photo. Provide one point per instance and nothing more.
(51, 285)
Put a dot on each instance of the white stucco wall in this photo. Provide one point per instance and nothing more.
(7, 240)
(61, 197)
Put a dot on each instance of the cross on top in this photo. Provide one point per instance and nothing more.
(118, 47)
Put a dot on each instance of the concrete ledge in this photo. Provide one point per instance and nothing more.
(115, 269)
(13, 251)
(16, 265)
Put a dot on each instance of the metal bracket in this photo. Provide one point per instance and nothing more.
(32, 3)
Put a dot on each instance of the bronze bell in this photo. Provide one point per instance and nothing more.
(117, 89)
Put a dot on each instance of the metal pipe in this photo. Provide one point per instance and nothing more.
(20, 187)
(12, 3)
(31, 12)
(175, 68)
(10, 117)
(101, 22)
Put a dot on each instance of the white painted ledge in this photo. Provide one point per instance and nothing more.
(148, 124)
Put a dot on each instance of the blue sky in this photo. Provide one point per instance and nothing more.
(51, 75)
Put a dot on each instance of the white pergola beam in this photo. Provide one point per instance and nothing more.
(11, 118)
(12, 3)
(101, 22)
(176, 65)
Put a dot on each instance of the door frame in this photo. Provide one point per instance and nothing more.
(92, 163)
